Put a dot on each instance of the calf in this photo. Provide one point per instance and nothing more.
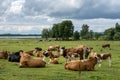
(84, 65)
(3, 54)
(28, 61)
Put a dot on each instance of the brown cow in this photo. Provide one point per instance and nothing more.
(37, 52)
(106, 46)
(54, 48)
(54, 61)
(49, 54)
(27, 61)
(102, 57)
(3, 54)
(73, 53)
(84, 65)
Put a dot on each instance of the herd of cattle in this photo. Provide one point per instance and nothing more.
(80, 58)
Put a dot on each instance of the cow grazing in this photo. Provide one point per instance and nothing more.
(54, 48)
(27, 61)
(73, 53)
(3, 54)
(82, 65)
(15, 56)
(106, 46)
(86, 50)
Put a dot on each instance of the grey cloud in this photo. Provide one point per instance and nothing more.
(83, 9)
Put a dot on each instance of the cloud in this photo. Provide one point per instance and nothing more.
(16, 6)
(28, 16)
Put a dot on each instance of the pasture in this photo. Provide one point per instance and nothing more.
(11, 71)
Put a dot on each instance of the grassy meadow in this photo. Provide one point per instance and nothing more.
(11, 71)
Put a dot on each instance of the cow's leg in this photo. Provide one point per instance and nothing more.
(49, 61)
(68, 59)
(44, 58)
(110, 62)
(81, 56)
(73, 57)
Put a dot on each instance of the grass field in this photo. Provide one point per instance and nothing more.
(11, 71)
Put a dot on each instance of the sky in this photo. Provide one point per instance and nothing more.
(31, 16)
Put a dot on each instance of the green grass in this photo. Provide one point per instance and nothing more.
(11, 71)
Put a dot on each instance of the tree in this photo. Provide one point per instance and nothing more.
(55, 31)
(97, 35)
(91, 34)
(117, 27)
(85, 31)
(63, 30)
(45, 33)
(109, 33)
(76, 35)
(117, 36)
(66, 29)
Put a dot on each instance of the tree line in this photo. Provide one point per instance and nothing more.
(65, 31)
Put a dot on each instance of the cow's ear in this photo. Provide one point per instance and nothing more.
(21, 53)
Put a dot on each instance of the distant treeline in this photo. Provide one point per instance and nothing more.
(20, 34)
(65, 31)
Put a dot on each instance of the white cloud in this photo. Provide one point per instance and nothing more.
(16, 6)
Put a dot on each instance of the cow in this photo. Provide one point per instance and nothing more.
(15, 56)
(106, 46)
(37, 52)
(4, 54)
(54, 48)
(30, 52)
(81, 65)
(102, 57)
(86, 50)
(53, 61)
(70, 53)
(27, 61)
(73, 53)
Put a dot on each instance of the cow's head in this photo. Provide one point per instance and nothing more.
(62, 50)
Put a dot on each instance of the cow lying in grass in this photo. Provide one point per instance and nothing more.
(28, 61)
(49, 54)
(53, 57)
(82, 65)
(15, 56)
(53, 61)
(3, 54)
(54, 48)
(37, 52)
